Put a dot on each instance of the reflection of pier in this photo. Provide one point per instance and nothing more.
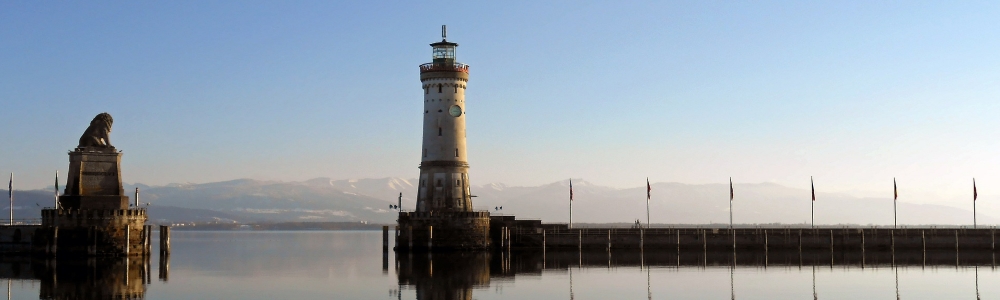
(446, 276)
(94, 278)
(534, 261)
(455, 275)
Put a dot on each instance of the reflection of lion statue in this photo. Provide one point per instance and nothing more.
(97, 134)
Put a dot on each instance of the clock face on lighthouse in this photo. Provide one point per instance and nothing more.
(455, 111)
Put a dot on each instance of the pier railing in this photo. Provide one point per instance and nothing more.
(34, 221)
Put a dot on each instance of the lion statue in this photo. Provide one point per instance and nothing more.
(97, 134)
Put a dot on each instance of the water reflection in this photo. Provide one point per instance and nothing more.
(445, 276)
(455, 275)
(93, 278)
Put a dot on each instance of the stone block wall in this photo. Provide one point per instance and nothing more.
(443, 231)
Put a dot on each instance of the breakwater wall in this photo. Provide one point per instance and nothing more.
(551, 236)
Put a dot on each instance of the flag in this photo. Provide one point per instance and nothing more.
(813, 187)
(730, 189)
(648, 188)
(895, 193)
(975, 195)
(571, 189)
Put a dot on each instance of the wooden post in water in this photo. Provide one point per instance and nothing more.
(510, 239)
(956, 243)
(385, 239)
(642, 239)
(543, 242)
(609, 244)
(55, 241)
(127, 233)
(164, 266)
(579, 240)
(862, 248)
(503, 236)
(704, 240)
(164, 240)
(862, 241)
(149, 240)
(430, 238)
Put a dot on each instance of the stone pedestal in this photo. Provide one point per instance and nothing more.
(94, 180)
(443, 231)
(94, 217)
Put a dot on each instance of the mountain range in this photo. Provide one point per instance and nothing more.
(369, 200)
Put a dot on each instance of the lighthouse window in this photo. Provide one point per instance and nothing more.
(458, 183)
(439, 131)
(456, 89)
(456, 152)
(439, 88)
(439, 182)
(421, 182)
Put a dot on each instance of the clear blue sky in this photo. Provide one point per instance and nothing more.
(854, 93)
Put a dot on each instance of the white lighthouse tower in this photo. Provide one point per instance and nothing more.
(444, 219)
(444, 166)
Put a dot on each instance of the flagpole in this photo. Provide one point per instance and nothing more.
(10, 196)
(571, 203)
(812, 204)
(56, 200)
(730, 203)
(648, 189)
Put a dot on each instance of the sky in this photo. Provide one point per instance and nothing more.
(851, 93)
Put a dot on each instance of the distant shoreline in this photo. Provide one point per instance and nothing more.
(280, 226)
(335, 226)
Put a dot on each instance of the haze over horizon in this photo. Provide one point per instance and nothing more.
(853, 94)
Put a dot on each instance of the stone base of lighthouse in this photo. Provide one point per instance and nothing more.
(443, 231)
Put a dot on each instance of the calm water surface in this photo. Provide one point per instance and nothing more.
(350, 265)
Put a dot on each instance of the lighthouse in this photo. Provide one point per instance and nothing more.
(443, 219)
(444, 166)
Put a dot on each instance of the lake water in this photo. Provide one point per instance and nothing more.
(350, 265)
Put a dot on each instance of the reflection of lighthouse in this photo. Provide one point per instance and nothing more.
(444, 218)
(444, 168)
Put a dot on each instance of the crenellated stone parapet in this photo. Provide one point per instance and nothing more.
(88, 232)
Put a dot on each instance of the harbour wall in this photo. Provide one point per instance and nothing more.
(554, 236)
